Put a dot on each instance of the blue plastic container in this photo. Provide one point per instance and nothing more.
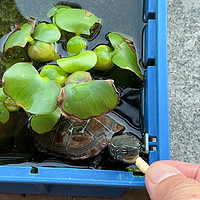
(100, 183)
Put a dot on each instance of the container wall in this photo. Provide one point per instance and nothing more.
(83, 182)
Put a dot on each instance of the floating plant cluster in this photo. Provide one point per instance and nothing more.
(65, 88)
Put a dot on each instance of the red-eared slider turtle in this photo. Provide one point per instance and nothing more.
(125, 147)
(78, 140)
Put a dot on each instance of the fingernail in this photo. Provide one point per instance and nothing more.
(158, 172)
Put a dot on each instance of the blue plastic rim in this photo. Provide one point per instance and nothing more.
(101, 183)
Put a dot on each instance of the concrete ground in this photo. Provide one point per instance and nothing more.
(184, 90)
(184, 79)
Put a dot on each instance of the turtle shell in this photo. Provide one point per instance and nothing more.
(78, 140)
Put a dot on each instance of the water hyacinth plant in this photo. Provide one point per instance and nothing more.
(82, 94)
(63, 88)
(41, 47)
(74, 20)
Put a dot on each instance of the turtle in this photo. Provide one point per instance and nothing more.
(125, 147)
(78, 140)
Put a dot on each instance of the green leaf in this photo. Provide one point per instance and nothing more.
(4, 114)
(19, 37)
(80, 101)
(124, 56)
(47, 33)
(125, 36)
(54, 10)
(29, 90)
(45, 123)
(55, 73)
(78, 21)
(115, 39)
(126, 59)
(81, 62)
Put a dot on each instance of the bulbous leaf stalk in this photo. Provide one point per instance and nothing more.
(42, 52)
(104, 58)
(55, 73)
(81, 62)
(76, 44)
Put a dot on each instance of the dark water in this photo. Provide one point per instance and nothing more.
(16, 144)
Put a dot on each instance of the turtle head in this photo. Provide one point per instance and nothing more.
(125, 147)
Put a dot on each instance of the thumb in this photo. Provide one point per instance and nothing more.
(165, 182)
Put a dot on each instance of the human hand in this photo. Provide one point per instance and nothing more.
(173, 180)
